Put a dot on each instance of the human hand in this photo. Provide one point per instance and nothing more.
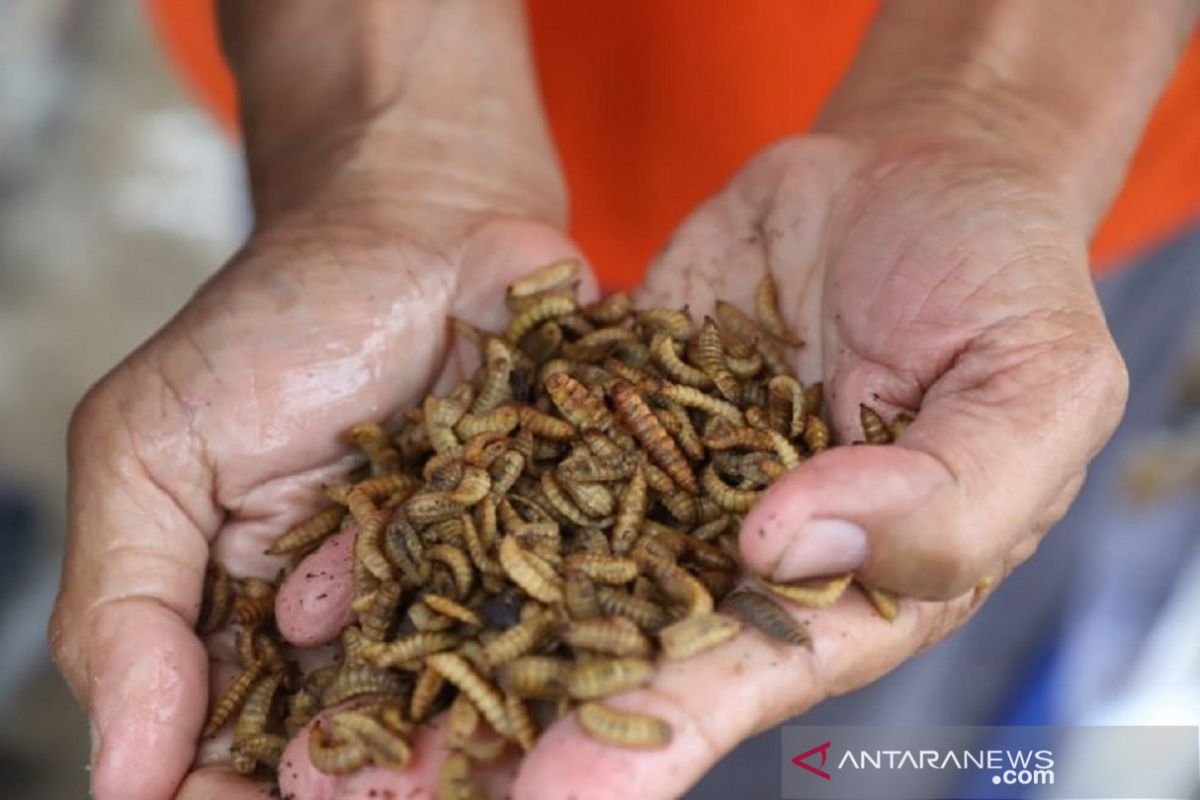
(923, 273)
(934, 274)
(218, 433)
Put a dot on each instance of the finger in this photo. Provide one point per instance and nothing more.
(122, 627)
(313, 604)
(1000, 444)
(299, 778)
(209, 782)
(715, 700)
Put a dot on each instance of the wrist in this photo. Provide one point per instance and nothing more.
(382, 102)
(1063, 89)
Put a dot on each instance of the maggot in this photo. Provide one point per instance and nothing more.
(591, 680)
(624, 728)
(813, 593)
(766, 615)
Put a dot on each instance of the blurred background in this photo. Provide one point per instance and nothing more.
(119, 195)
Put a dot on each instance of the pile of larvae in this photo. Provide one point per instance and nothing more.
(529, 543)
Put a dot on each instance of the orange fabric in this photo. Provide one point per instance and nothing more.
(654, 105)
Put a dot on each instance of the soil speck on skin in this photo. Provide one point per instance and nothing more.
(762, 533)
(322, 596)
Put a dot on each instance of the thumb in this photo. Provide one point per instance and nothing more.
(121, 630)
(998, 450)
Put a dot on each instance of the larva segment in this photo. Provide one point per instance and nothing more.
(592, 680)
(425, 693)
(547, 308)
(357, 680)
(816, 434)
(671, 321)
(495, 387)
(371, 439)
(609, 310)
(884, 602)
(259, 748)
(490, 702)
(576, 403)
(729, 498)
(521, 639)
(498, 420)
(593, 499)
(646, 614)
(545, 278)
(308, 534)
(218, 599)
(385, 747)
(335, 756)
(602, 569)
(900, 425)
(814, 593)
(535, 677)
(256, 709)
(545, 425)
(697, 633)
(376, 621)
(664, 351)
(875, 430)
(738, 325)
(455, 782)
(661, 448)
(623, 728)
(453, 609)
(232, 699)
(524, 727)
(710, 356)
(518, 566)
(694, 398)
(766, 307)
(615, 636)
(766, 615)
(459, 564)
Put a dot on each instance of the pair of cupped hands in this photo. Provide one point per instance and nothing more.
(926, 271)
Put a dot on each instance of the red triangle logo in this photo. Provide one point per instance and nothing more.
(823, 749)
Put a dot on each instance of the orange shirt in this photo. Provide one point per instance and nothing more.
(655, 105)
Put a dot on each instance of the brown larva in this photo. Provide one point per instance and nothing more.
(767, 615)
(335, 756)
(309, 533)
(813, 593)
(599, 678)
(535, 677)
(370, 438)
(875, 430)
(218, 599)
(232, 699)
(697, 633)
(624, 728)
(884, 602)
(615, 636)
(663, 349)
(649, 431)
(458, 671)
(766, 306)
(710, 357)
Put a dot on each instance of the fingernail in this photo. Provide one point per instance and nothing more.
(823, 547)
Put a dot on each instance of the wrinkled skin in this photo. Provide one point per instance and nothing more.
(924, 274)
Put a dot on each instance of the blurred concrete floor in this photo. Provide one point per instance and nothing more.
(117, 198)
